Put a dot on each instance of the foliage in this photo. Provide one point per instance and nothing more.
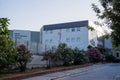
(7, 53)
(4, 22)
(64, 55)
(90, 28)
(67, 57)
(80, 56)
(110, 14)
(23, 57)
(102, 50)
(94, 54)
(7, 46)
(89, 46)
(109, 58)
(48, 56)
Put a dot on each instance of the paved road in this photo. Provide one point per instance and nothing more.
(95, 72)
(107, 72)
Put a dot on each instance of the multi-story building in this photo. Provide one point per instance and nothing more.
(74, 34)
(29, 38)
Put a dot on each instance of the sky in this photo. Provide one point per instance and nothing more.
(33, 14)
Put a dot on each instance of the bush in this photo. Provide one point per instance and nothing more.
(80, 57)
(109, 58)
(23, 57)
(94, 55)
(65, 56)
(7, 47)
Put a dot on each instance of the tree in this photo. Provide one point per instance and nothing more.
(94, 54)
(80, 56)
(56, 57)
(48, 56)
(23, 56)
(110, 14)
(4, 22)
(66, 53)
(7, 46)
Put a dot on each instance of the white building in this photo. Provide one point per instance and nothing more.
(74, 34)
(29, 38)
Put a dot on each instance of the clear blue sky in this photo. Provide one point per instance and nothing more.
(33, 14)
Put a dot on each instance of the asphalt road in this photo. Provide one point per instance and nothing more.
(107, 72)
(96, 72)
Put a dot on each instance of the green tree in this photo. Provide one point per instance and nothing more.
(23, 56)
(56, 57)
(80, 57)
(4, 22)
(48, 56)
(7, 46)
(110, 14)
(66, 53)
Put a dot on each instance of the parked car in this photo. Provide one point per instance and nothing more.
(117, 60)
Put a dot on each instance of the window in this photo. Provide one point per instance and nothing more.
(117, 54)
(67, 30)
(73, 29)
(67, 40)
(73, 39)
(78, 29)
(50, 40)
(78, 39)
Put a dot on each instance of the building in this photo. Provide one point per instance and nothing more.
(74, 34)
(116, 53)
(29, 38)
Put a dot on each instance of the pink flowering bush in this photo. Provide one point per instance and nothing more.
(94, 54)
(23, 57)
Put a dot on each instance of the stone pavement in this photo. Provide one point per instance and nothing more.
(59, 75)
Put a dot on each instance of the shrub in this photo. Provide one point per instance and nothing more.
(80, 57)
(65, 56)
(23, 57)
(109, 58)
(7, 47)
(94, 54)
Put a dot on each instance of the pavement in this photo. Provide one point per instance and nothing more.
(105, 72)
(68, 73)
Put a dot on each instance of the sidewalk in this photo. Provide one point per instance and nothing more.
(43, 72)
(63, 74)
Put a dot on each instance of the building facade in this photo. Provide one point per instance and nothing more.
(74, 34)
(29, 38)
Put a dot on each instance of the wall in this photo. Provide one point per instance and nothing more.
(29, 38)
(73, 39)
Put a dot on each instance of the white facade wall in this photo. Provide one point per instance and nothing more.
(22, 37)
(79, 39)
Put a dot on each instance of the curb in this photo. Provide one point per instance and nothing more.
(23, 76)
(73, 74)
